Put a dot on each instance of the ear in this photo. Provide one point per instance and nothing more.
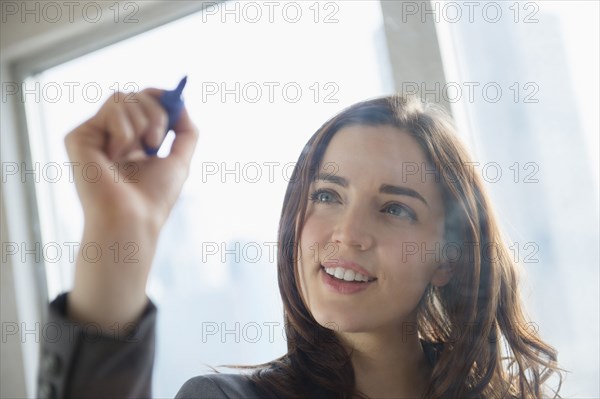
(442, 275)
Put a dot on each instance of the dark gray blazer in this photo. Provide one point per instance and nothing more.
(77, 362)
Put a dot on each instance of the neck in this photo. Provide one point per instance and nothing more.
(388, 364)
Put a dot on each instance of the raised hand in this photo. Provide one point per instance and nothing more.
(127, 201)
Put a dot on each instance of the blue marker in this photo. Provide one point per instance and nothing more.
(173, 104)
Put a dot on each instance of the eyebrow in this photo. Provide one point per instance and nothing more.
(384, 188)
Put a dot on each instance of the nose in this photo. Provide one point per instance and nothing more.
(352, 229)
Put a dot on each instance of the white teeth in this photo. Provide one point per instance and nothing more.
(349, 275)
(345, 274)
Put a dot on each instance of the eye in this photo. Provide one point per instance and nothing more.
(323, 196)
(400, 211)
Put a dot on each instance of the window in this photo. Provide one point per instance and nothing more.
(526, 77)
(256, 98)
(520, 77)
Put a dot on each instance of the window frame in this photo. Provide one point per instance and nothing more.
(23, 224)
(24, 288)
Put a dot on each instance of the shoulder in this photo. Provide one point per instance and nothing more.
(218, 386)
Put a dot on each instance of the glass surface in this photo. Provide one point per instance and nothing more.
(522, 79)
(526, 76)
(257, 89)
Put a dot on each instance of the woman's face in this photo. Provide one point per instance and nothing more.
(373, 210)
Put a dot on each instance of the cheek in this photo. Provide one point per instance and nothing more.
(314, 247)
(313, 240)
(309, 240)
(402, 287)
(406, 266)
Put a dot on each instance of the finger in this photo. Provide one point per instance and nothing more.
(109, 132)
(136, 155)
(135, 111)
(121, 133)
(84, 144)
(139, 121)
(154, 92)
(155, 132)
(186, 137)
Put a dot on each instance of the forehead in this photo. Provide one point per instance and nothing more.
(384, 151)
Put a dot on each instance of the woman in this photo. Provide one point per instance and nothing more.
(393, 273)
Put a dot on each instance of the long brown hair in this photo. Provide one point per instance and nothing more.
(488, 349)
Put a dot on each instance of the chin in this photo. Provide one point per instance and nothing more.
(346, 322)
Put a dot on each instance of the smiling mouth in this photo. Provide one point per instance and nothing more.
(347, 275)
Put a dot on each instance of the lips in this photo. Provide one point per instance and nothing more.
(345, 277)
